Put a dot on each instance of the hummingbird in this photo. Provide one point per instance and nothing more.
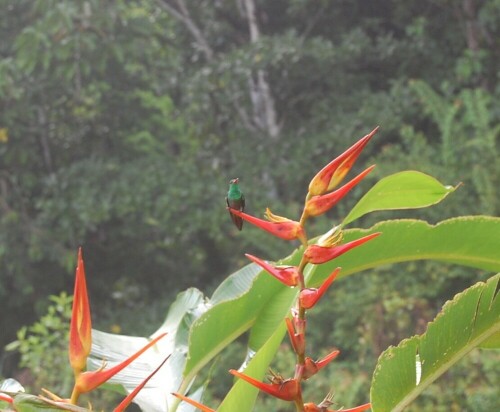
(235, 200)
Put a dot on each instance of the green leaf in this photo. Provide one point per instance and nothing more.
(464, 323)
(403, 190)
(469, 240)
(242, 395)
(24, 402)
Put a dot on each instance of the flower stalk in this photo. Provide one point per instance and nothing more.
(320, 198)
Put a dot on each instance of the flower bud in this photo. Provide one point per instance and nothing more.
(334, 172)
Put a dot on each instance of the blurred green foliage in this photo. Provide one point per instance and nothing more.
(121, 123)
(43, 347)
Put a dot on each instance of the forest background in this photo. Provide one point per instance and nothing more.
(121, 123)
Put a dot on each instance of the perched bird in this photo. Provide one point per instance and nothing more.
(235, 200)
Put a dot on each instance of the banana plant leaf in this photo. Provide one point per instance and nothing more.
(470, 320)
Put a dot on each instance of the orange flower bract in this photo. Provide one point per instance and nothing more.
(80, 331)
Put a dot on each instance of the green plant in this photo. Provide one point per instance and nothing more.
(44, 343)
(266, 306)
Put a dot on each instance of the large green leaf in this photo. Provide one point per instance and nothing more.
(466, 322)
(470, 241)
(403, 190)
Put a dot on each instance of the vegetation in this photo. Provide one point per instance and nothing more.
(122, 122)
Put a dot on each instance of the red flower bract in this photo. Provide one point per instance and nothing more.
(320, 204)
(316, 254)
(80, 338)
(287, 390)
(88, 381)
(312, 367)
(332, 174)
(289, 275)
(284, 228)
(310, 296)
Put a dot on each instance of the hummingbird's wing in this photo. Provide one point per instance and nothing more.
(238, 221)
(242, 207)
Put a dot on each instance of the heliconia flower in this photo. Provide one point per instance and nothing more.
(130, 397)
(194, 403)
(6, 398)
(289, 275)
(312, 367)
(332, 174)
(310, 296)
(320, 204)
(317, 254)
(296, 338)
(286, 389)
(278, 226)
(327, 402)
(80, 338)
(88, 381)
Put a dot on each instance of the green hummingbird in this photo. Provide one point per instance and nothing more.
(235, 200)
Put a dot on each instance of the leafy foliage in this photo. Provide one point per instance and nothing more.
(113, 110)
(43, 345)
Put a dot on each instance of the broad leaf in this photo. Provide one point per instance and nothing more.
(470, 241)
(24, 402)
(403, 190)
(466, 322)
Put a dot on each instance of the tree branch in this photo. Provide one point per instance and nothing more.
(260, 92)
(181, 13)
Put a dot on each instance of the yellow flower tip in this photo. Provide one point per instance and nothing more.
(331, 238)
(53, 396)
(271, 217)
